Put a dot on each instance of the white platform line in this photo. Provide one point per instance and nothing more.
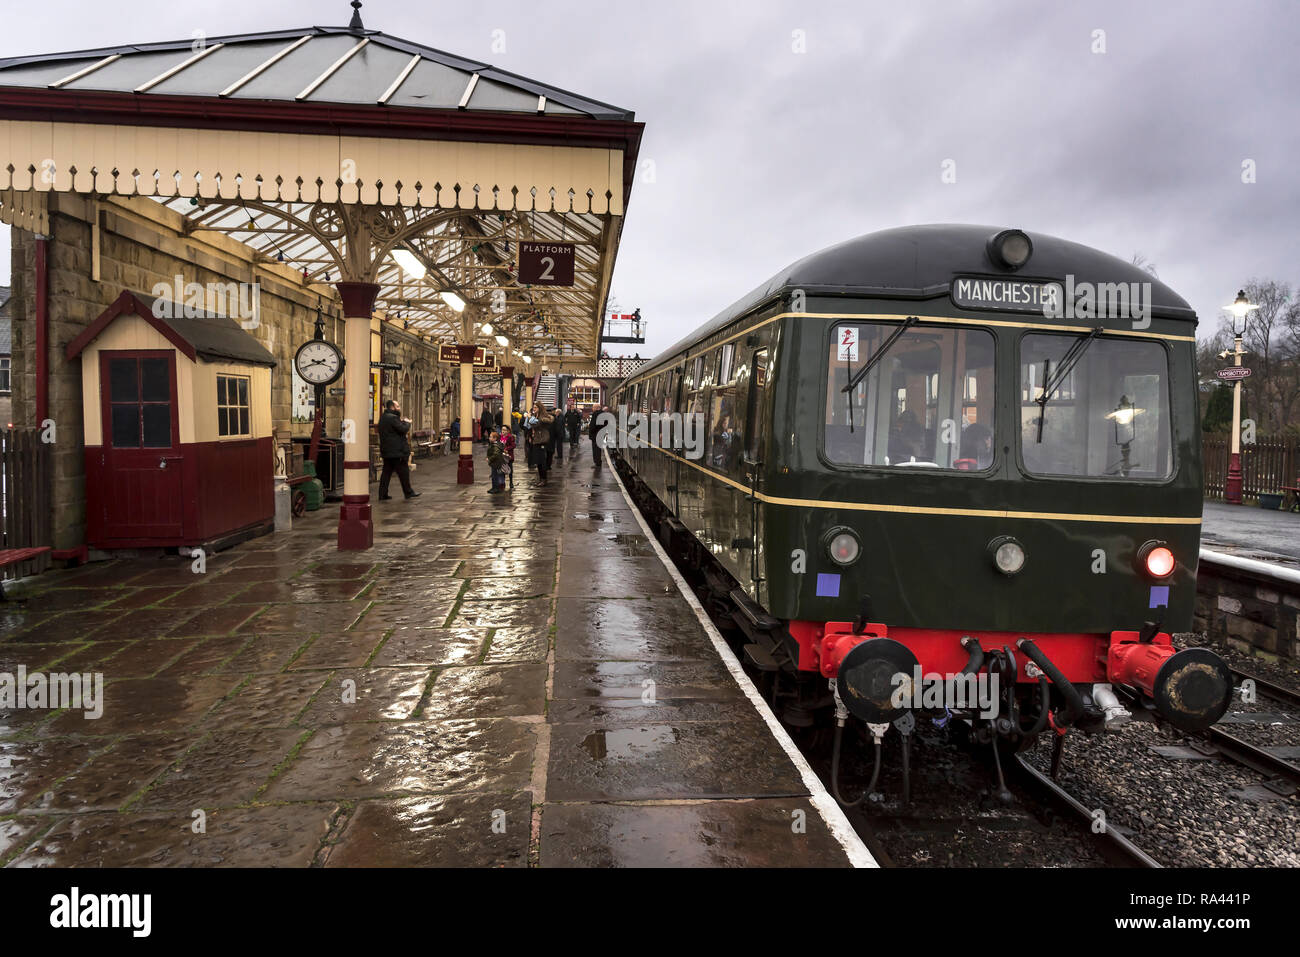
(821, 799)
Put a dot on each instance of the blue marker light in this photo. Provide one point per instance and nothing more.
(828, 586)
(1159, 596)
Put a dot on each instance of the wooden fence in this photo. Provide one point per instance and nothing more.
(1266, 465)
(26, 481)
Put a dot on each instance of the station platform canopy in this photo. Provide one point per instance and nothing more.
(342, 150)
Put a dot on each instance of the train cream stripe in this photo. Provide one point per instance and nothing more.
(954, 320)
(925, 510)
(836, 821)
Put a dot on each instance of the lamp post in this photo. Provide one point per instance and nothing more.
(1240, 308)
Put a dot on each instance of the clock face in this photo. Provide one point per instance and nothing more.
(318, 362)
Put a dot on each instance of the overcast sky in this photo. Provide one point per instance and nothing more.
(762, 154)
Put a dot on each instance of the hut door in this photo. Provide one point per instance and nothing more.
(142, 457)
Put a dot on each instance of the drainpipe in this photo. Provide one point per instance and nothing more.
(42, 330)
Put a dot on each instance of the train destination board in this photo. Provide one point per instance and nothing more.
(1013, 295)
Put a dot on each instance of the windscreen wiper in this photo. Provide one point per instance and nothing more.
(1053, 382)
(856, 377)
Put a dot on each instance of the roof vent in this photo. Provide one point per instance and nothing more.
(1010, 249)
(356, 25)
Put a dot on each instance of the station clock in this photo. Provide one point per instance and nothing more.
(318, 362)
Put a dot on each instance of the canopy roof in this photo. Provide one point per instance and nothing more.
(312, 65)
(302, 142)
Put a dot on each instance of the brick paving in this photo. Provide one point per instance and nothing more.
(501, 681)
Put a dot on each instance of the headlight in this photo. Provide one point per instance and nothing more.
(1010, 248)
(842, 545)
(1008, 555)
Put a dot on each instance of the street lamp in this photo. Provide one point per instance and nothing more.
(1241, 308)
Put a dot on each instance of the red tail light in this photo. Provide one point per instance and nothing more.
(1157, 560)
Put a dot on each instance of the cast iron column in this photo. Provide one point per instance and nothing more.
(356, 532)
(465, 468)
(507, 397)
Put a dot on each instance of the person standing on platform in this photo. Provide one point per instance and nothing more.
(508, 446)
(593, 431)
(539, 450)
(557, 434)
(394, 449)
(496, 459)
(485, 423)
(573, 422)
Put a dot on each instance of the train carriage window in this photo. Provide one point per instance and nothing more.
(928, 402)
(1109, 419)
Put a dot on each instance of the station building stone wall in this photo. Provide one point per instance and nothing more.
(140, 244)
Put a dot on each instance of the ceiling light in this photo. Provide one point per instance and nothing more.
(410, 263)
(502, 341)
(487, 328)
(453, 300)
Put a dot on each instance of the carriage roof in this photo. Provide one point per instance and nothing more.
(920, 262)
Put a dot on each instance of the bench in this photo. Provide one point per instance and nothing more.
(13, 556)
(424, 442)
(1291, 496)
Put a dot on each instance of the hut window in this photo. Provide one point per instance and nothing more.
(140, 403)
(232, 405)
(4, 373)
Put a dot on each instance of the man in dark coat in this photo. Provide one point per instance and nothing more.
(593, 432)
(573, 422)
(557, 434)
(485, 424)
(394, 449)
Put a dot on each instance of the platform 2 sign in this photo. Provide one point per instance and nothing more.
(1233, 372)
(546, 264)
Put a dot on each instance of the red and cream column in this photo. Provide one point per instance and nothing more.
(356, 532)
(507, 394)
(465, 468)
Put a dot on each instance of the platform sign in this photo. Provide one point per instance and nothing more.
(848, 344)
(546, 264)
(452, 354)
(1233, 373)
(487, 364)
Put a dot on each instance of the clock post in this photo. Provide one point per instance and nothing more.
(356, 530)
(318, 363)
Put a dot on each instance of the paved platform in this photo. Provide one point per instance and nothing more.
(1251, 532)
(500, 681)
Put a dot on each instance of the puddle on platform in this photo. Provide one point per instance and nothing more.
(627, 742)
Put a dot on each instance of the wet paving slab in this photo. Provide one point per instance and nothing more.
(497, 683)
(247, 837)
(772, 832)
(473, 830)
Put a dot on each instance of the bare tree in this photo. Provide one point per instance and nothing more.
(1144, 264)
